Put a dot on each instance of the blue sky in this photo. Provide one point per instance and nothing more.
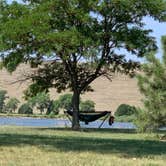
(159, 29)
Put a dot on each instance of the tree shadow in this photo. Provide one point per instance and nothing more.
(100, 130)
(125, 147)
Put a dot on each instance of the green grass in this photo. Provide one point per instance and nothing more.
(63, 147)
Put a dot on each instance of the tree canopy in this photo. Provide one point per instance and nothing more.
(41, 101)
(80, 37)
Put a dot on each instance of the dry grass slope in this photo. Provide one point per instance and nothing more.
(107, 95)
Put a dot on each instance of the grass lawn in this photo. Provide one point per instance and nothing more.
(61, 147)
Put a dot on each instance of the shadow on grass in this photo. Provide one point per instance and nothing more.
(100, 130)
(125, 147)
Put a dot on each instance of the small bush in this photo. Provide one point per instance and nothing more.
(25, 109)
(87, 106)
(125, 109)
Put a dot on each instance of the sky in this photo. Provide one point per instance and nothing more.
(159, 29)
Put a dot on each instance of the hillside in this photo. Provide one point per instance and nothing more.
(107, 95)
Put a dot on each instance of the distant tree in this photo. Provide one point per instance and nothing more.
(81, 37)
(25, 109)
(87, 106)
(65, 101)
(125, 109)
(41, 101)
(152, 83)
(2, 99)
(12, 105)
(53, 107)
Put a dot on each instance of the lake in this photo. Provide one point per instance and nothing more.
(43, 122)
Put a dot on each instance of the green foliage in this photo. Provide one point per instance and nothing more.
(56, 106)
(70, 32)
(25, 109)
(53, 114)
(53, 108)
(2, 99)
(81, 38)
(65, 101)
(41, 101)
(87, 106)
(142, 122)
(34, 89)
(153, 87)
(125, 109)
(11, 105)
(126, 118)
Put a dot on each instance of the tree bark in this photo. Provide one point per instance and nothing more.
(75, 104)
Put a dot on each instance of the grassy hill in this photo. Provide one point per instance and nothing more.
(107, 95)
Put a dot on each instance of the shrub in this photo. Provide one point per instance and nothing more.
(87, 106)
(125, 109)
(25, 109)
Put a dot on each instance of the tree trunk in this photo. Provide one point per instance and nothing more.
(75, 104)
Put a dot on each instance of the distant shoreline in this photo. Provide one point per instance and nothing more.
(60, 116)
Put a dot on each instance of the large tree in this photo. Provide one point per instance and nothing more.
(82, 37)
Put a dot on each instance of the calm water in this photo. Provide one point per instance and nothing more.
(37, 122)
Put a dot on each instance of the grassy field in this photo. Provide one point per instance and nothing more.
(62, 147)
